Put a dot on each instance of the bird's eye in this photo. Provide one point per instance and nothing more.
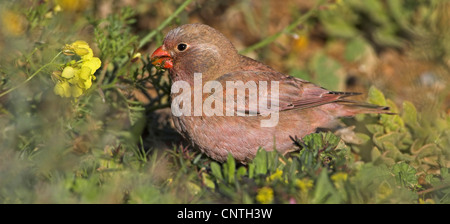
(182, 47)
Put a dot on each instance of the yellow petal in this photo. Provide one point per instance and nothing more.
(74, 80)
(76, 91)
(85, 73)
(82, 49)
(76, 77)
(57, 8)
(80, 43)
(136, 57)
(58, 90)
(94, 63)
(68, 72)
(62, 89)
(87, 84)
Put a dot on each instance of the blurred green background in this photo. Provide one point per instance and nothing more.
(116, 143)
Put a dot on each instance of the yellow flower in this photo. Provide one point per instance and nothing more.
(77, 76)
(136, 57)
(304, 184)
(338, 178)
(93, 64)
(300, 42)
(278, 175)
(57, 9)
(265, 195)
(13, 23)
(72, 5)
(80, 48)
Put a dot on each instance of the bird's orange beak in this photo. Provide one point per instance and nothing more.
(161, 58)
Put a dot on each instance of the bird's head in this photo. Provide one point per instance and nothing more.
(195, 48)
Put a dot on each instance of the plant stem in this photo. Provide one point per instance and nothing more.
(288, 29)
(434, 189)
(169, 19)
(31, 76)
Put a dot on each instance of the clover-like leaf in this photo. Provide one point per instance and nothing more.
(405, 174)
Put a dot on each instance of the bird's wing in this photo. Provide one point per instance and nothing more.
(258, 95)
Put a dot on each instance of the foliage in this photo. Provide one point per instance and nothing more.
(101, 148)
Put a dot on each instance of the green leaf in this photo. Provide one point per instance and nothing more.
(273, 160)
(324, 192)
(207, 181)
(318, 149)
(260, 162)
(216, 170)
(225, 171)
(392, 150)
(386, 36)
(405, 174)
(302, 74)
(355, 49)
(251, 170)
(375, 153)
(336, 26)
(393, 138)
(241, 171)
(392, 122)
(428, 150)
(226, 190)
(320, 140)
(362, 138)
(392, 106)
(376, 96)
(409, 114)
(397, 11)
(231, 168)
(375, 128)
(326, 71)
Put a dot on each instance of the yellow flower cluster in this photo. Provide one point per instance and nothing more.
(278, 175)
(265, 195)
(339, 178)
(73, 5)
(304, 184)
(77, 76)
(12, 23)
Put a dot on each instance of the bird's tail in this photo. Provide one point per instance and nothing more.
(351, 108)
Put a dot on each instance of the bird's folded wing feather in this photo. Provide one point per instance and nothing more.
(293, 93)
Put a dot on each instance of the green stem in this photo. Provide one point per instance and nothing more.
(169, 19)
(31, 76)
(288, 29)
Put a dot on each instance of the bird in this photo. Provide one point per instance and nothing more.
(302, 107)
